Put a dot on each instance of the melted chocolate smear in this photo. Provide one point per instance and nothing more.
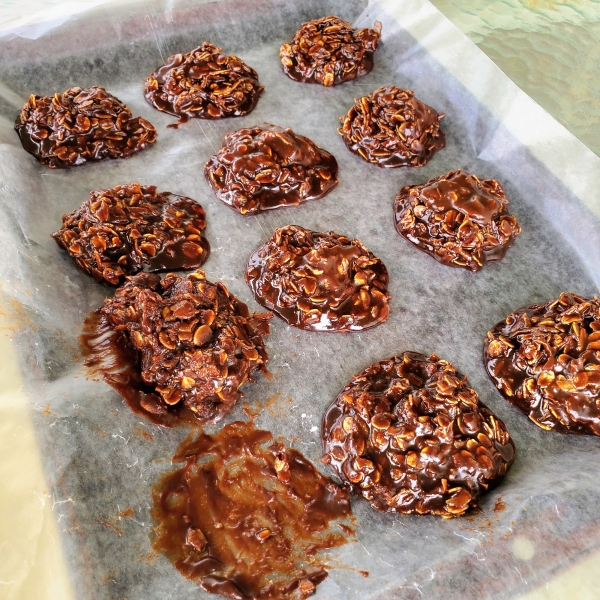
(109, 354)
(246, 517)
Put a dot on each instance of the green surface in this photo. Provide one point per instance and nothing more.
(549, 48)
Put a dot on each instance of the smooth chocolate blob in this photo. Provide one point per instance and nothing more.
(203, 84)
(192, 342)
(391, 128)
(545, 360)
(81, 125)
(269, 167)
(411, 436)
(328, 51)
(458, 219)
(319, 281)
(247, 518)
(130, 228)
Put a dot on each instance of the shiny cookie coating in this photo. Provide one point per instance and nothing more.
(458, 219)
(81, 125)
(267, 167)
(410, 436)
(319, 281)
(329, 51)
(126, 229)
(391, 128)
(545, 360)
(197, 343)
(204, 84)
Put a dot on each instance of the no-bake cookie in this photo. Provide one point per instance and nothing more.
(191, 343)
(329, 51)
(129, 228)
(81, 125)
(460, 220)
(545, 359)
(205, 84)
(269, 167)
(391, 128)
(410, 435)
(319, 281)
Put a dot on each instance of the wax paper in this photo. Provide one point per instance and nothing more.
(100, 459)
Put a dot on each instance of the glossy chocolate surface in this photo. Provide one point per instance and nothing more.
(458, 219)
(130, 228)
(545, 359)
(319, 281)
(192, 342)
(391, 128)
(81, 125)
(269, 167)
(329, 51)
(411, 436)
(204, 84)
(246, 517)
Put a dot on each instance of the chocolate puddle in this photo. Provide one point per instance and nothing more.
(246, 517)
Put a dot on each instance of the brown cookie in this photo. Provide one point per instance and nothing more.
(194, 343)
(545, 360)
(269, 167)
(458, 219)
(203, 84)
(391, 128)
(128, 228)
(81, 125)
(328, 51)
(242, 513)
(319, 281)
(411, 436)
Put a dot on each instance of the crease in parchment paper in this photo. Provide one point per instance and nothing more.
(91, 445)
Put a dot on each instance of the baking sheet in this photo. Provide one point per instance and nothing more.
(97, 456)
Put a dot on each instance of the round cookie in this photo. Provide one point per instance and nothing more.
(391, 128)
(128, 228)
(410, 436)
(196, 344)
(204, 84)
(328, 51)
(458, 219)
(268, 167)
(319, 281)
(79, 126)
(545, 360)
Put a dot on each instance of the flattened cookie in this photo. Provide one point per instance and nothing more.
(545, 360)
(203, 84)
(196, 344)
(242, 513)
(319, 281)
(128, 228)
(391, 128)
(458, 219)
(269, 167)
(410, 436)
(328, 51)
(81, 125)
